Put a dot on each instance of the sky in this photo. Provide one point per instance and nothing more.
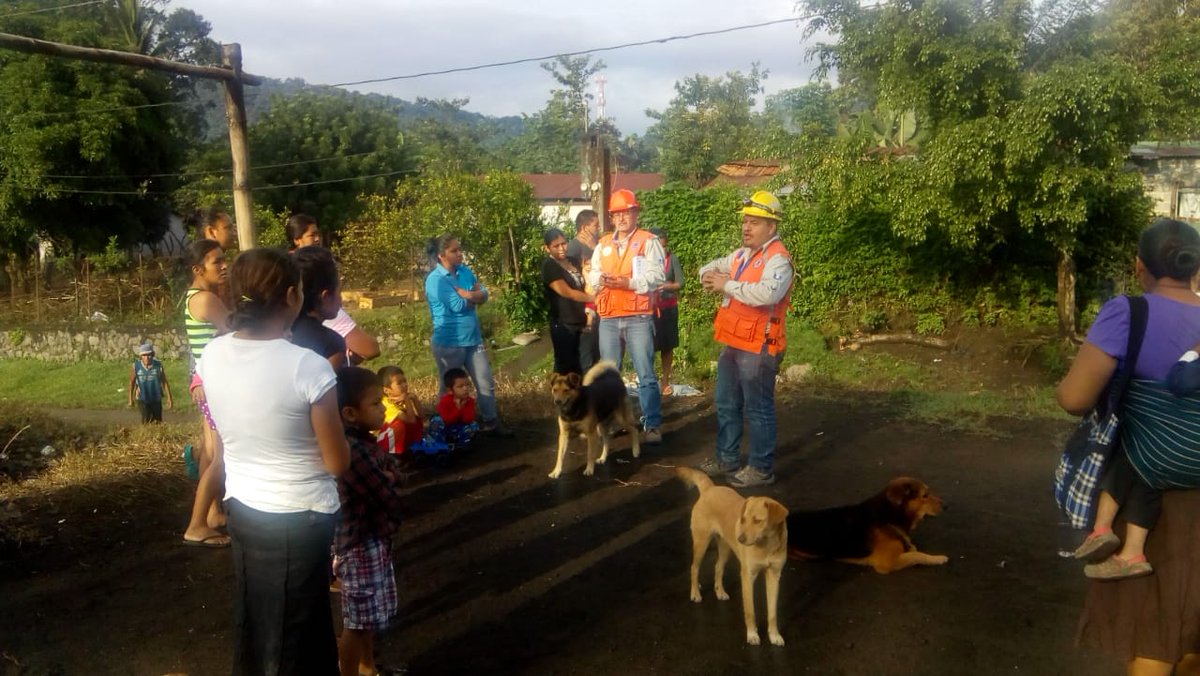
(329, 41)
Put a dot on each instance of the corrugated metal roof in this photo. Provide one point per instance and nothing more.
(565, 187)
(1154, 150)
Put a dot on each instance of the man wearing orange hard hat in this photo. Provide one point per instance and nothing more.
(627, 267)
(755, 283)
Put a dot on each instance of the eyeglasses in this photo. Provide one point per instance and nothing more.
(765, 207)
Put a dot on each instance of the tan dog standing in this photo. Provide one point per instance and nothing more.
(755, 529)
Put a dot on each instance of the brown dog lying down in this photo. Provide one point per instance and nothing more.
(875, 532)
(755, 529)
(586, 407)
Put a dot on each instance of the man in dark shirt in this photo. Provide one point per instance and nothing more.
(579, 250)
(587, 227)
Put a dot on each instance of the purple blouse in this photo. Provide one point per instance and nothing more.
(1172, 328)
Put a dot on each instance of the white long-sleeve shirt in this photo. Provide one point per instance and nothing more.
(648, 275)
(772, 286)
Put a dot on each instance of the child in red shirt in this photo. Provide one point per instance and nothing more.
(455, 423)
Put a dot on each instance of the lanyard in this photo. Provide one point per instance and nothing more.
(742, 266)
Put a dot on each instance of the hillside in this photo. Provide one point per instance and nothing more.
(210, 100)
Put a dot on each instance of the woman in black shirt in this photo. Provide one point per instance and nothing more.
(562, 282)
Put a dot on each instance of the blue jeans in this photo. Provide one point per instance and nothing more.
(638, 333)
(746, 384)
(475, 360)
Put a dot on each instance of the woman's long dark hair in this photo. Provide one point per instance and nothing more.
(1170, 248)
(296, 226)
(319, 272)
(260, 279)
(195, 253)
(437, 246)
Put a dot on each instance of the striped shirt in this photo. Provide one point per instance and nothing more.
(199, 333)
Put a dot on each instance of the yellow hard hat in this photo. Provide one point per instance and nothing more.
(763, 205)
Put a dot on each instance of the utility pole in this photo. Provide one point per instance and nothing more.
(599, 173)
(239, 149)
(231, 75)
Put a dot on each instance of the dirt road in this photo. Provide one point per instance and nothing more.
(504, 571)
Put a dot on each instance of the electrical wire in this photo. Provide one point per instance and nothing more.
(447, 71)
(597, 50)
(72, 191)
(52, 9)
(220, 172)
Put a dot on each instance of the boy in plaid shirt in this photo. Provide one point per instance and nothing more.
(370, 514)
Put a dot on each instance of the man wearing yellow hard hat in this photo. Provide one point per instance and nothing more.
(755, 283)
(627, 267)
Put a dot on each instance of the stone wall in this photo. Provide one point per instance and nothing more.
(99, 343)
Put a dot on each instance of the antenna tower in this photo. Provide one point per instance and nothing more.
(600, 82)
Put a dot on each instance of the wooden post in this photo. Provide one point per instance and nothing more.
(605, 186)
(598, 159)
(235, 111)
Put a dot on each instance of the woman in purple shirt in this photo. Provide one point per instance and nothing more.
(1149, 621)
(453, 292)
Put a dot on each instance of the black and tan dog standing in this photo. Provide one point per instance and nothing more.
(755, 530)
(875, 532)
(587, 407)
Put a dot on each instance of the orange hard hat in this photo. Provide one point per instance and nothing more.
(622, 200)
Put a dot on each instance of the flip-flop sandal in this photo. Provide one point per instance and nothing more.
(208, 542)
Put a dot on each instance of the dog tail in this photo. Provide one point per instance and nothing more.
(595, 371)
(694, 477)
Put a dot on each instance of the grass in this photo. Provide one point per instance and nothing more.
(83, 384)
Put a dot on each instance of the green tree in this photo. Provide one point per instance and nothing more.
(709, 121)
(1160, 39)
(86, 153)
(1016, 148)
(552, 138)
(314, 153)
(495, 216)
(445, 142)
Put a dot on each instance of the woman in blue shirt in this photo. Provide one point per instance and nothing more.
(453, 292)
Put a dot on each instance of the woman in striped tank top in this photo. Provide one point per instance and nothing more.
(205, 315)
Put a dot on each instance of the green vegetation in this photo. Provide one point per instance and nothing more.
(84, 384)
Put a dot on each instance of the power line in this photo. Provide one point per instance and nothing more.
(97, 111)
(446, 71)
(334, 180)
(626, 45)
(205, 173)
(72, 191)
(52, 9)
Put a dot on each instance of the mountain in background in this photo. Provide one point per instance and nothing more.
(211, 101)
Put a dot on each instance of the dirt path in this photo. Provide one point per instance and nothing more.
(504, 571)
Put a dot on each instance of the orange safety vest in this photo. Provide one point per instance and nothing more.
(622, 302)
(747, 327)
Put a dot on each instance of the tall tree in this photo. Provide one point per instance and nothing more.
(444, 142)
(87, 153)
(1160, 39)
(709, 121)
(1016, 147)
(552, 138)
(315, 152)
